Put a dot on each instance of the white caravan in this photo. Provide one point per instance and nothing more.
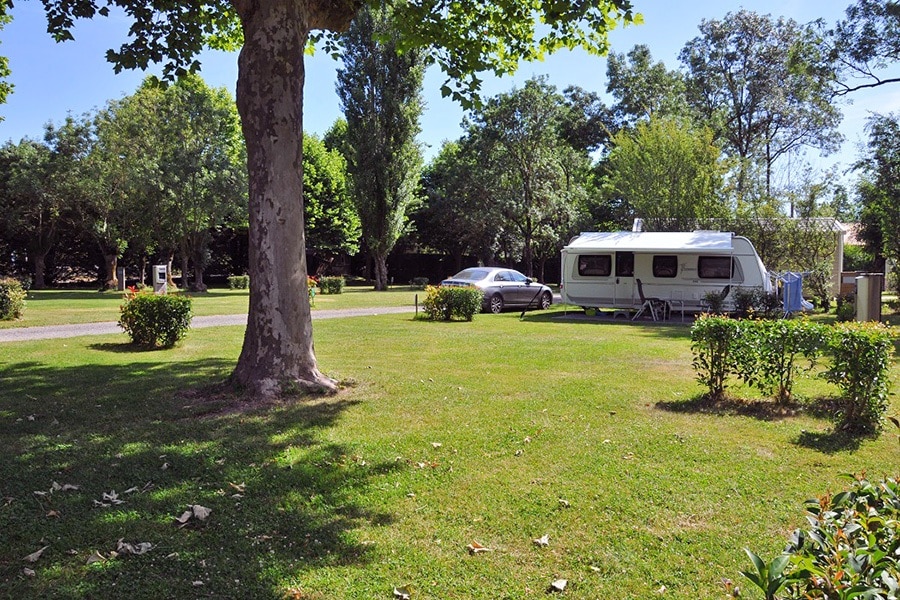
(602, 270)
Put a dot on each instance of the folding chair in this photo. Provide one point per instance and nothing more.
(655, 306)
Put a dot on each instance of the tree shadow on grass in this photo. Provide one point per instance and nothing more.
(757, 409)
(673, 329)
(123, 348)
(829, 442)
(826, 442)
(284, 497)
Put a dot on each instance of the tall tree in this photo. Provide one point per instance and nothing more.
(670, 173)
(642, 88)
(332, 225)
(380, 92)
(30, 211)
(459, 215)
(879, 188)
(201, 166)
(764, 85)
(865, 43)
(531, 169)
(463, 36)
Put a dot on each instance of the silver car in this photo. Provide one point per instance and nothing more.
(503, 287)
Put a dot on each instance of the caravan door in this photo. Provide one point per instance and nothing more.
(624, 279)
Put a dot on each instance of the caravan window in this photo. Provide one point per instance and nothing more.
(624, 264)
(598, 265)
(715, 267)
(665, 265)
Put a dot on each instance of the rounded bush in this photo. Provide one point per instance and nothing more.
(153, 320)
(331, 285)
(447, 303)
(12, 299)
(239, 282)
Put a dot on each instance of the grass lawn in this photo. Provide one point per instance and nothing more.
(59, 307)
(495, 432)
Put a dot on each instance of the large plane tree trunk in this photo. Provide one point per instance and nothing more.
(277, 355)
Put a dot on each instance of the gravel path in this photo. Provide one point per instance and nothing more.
(66, 331)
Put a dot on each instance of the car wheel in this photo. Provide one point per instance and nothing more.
(546, 300)
(496, 304)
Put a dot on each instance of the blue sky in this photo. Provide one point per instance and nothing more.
(53, 79)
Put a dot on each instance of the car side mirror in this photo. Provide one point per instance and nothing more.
(529, 280)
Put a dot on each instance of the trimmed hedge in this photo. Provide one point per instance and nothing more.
(767, 355)
(447, 303)
(155, 320)
(12, 299)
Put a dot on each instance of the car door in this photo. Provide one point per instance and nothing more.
(504, 284)
(522, 291)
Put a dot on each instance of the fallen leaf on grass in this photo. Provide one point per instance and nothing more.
(559, 585)
(53, 514)
(95, 558)
(436, 445)
(238, 487)
(66, 487)
(476, 548)
(123, 547)
(542, 541)
(34, 556)
(195, 511)
(403, 593)
(108, 499)
(564, 503)
(28, 572)
(200, 512)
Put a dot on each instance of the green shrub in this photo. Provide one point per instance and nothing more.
(12, 299)
(852, 549)
(239, 282)
(154, 320)
(447, 303)
(331, 285)
(846, 308)
(419, 283)
(861, 361)
(715, 302)
(746, 301)
(713, 341)
(767, 353)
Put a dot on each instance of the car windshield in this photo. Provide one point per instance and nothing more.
(471, 274)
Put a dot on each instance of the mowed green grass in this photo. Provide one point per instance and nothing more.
(495, 432)
(60, 307)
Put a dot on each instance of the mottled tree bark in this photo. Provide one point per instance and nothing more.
(111, 263)
(39, 266)
(277, 354)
